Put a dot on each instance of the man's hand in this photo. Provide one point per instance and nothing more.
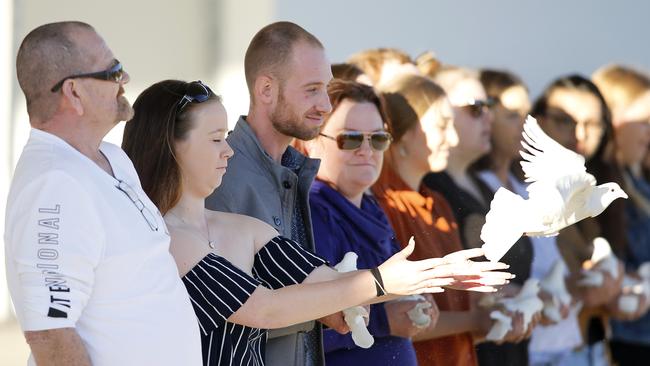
(337, 322)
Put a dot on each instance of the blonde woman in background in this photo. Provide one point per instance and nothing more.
(627, 93)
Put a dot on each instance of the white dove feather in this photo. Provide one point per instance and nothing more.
(554, 284)
(526, 302)
(418, 316)
(501, 327)
(603, 260)
(561, 193)
(634, 288)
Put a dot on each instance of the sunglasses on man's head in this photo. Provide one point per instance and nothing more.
(197, 92)
(353, 140)
(477, 108)
(115, 73)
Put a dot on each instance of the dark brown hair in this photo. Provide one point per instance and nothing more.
(345, 71)
(150, 135)
(495, 82)
(339, 90)
(271, 48)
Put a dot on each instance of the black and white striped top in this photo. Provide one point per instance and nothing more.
(217, 289)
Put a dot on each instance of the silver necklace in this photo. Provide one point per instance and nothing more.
(207, 228)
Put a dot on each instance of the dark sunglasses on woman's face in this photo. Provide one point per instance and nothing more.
(115, 73)
(353, 140)
(477, 108)
(197, 92)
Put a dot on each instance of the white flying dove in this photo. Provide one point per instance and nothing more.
(526, 302)
(633, 288)
(561, 193)
(356, 315)
(554, 285)
(602, 260)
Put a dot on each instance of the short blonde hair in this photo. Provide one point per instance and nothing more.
(372, 60)
(620, 85)
(408, 98)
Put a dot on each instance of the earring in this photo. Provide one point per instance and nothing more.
(402, 151)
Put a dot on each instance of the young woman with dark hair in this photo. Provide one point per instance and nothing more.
(241, 276)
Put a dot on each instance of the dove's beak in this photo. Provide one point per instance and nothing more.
(624, 195)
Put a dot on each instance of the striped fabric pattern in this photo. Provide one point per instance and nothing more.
(217, 289)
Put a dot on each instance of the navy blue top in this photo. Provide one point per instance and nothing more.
(341, 227)
(638, 252)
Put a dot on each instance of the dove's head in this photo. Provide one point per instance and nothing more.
(604, 194)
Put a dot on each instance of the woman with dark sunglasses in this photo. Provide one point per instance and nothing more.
(241, 276)
(346, 219)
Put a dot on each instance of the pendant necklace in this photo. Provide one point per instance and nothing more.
(207, 228)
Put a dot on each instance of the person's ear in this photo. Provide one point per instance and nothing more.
(265, 89)
(72, 91)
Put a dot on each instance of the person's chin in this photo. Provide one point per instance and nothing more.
(125, 113)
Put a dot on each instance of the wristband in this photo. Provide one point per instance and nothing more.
(379, 283)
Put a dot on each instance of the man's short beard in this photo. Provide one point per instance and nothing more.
(289, 123)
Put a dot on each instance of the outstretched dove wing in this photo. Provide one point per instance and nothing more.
(549, 166)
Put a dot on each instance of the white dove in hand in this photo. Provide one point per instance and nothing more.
(526, 302)
(561, 193)
(602, 260)
(356, 315)
(628, 302)
(554, 285)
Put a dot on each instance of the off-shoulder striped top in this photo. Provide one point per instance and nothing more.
(217, 289)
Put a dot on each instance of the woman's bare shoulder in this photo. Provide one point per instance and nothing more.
(236, 225)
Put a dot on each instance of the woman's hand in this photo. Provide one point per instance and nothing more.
(404, 277)
(486, 277)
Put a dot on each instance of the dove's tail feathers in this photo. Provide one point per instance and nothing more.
(502, 226)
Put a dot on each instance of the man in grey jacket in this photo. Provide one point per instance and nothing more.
(287, 73)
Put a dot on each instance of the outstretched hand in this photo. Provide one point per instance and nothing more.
(485, 276)
(404, 277)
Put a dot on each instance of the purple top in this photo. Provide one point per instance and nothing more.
(340, 227)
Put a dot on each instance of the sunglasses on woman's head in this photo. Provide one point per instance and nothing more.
(197, 92)
(477, 108)
(353, 140)
(115, 73)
